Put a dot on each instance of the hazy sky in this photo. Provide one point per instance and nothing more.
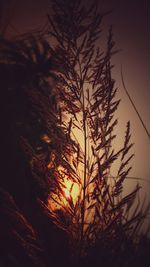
(131, 28)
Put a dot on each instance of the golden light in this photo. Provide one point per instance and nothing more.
(45, 138)
(70, 192)
(67, 193)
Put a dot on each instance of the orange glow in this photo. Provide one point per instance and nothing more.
(45, 138)
(70, 192)
(67, 193)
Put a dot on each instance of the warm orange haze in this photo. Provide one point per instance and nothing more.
(128, 30)
(75, 133)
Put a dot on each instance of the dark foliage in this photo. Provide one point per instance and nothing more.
(50, 91)
(30, 135)
(19, 243)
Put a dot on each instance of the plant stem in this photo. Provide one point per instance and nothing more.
(85, 178)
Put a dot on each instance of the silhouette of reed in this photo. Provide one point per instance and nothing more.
(58, 118)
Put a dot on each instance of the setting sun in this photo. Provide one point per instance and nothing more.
(70, 191)
(67, 193)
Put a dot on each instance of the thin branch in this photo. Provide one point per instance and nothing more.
(134, 106)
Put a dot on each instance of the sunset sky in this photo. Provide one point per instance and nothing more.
(131, 23)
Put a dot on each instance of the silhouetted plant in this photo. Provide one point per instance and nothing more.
(29, 100)
(31, 136)
(58, 112)
(87, 95)
(20, 245)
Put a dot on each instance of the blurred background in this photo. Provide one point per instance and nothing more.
(131, 22)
